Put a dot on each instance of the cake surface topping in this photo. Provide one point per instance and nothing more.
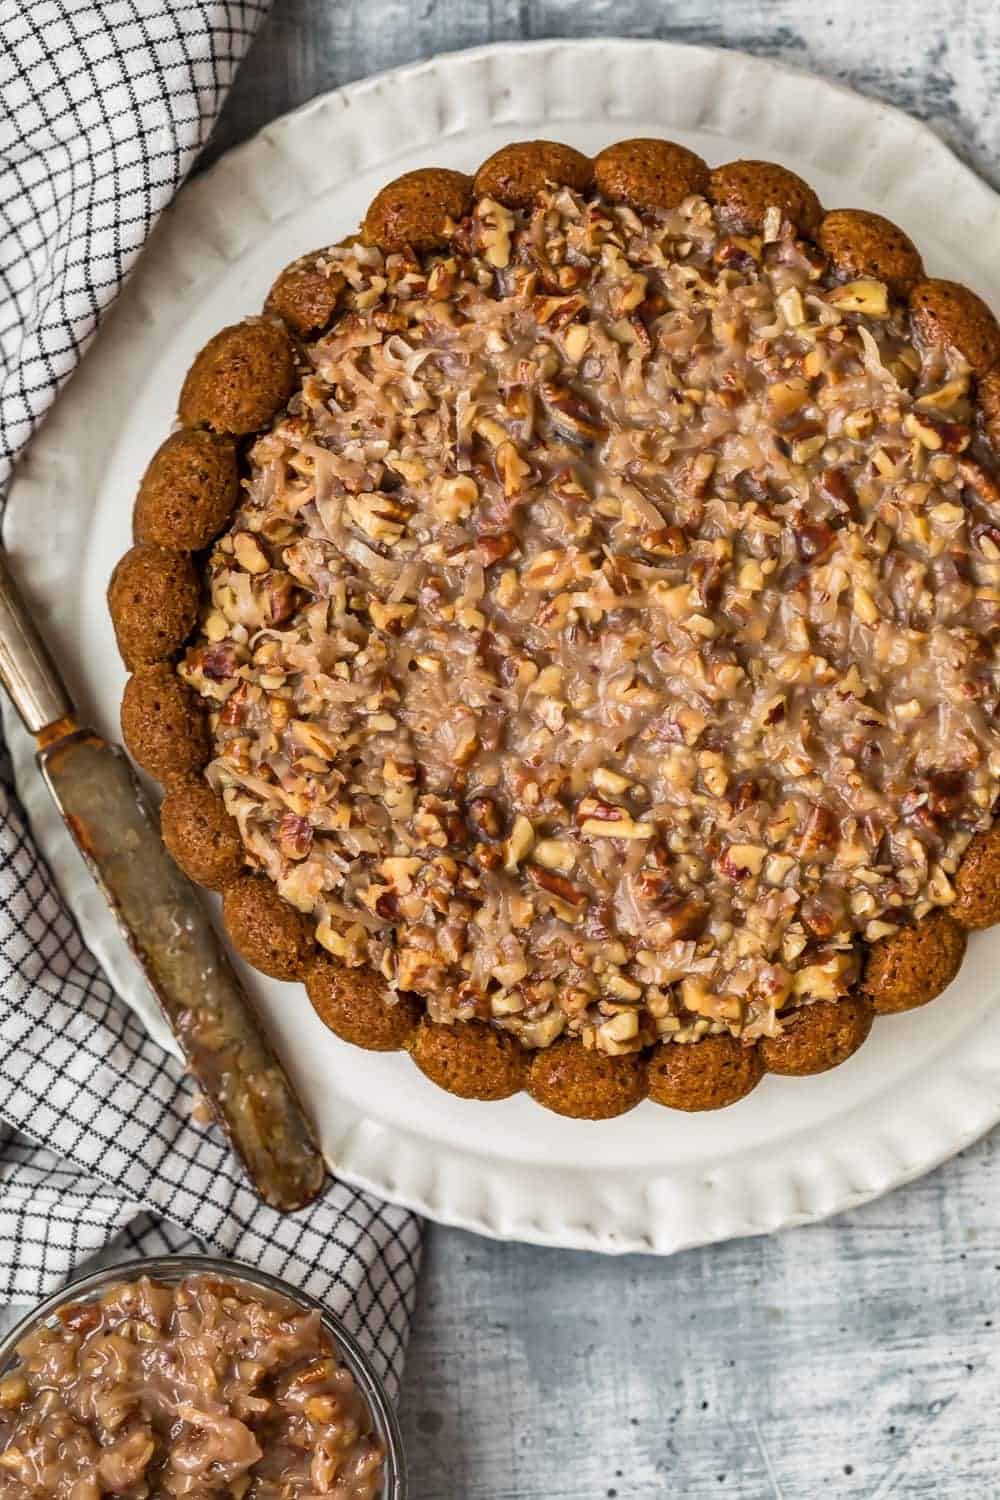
(605, 640)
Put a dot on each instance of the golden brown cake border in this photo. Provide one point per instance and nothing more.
(239, 382)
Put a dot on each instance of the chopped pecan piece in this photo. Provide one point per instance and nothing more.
(684, 919)
(556, 885)
(813, 539)
(220, 662)
(497, 546)
(485, 817)
(945, 793)
(820, 830)
(836, 487)
(571, 414)
(295, 836)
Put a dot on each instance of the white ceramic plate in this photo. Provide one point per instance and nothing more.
(925, 1084)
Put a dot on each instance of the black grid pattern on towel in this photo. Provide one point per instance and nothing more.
(104, 105)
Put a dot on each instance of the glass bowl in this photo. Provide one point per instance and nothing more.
(174, 1268)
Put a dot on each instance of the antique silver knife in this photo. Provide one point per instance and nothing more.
(163, 919)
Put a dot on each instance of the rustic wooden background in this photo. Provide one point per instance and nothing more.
(856, 1357)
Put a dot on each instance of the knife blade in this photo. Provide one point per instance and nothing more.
(163, 920)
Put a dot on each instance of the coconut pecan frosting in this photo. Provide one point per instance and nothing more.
(604, 643)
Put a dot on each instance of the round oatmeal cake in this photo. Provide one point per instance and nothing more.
(592, 685)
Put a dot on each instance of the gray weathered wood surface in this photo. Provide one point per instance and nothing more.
(856, 1357)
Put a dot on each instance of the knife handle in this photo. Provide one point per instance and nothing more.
(27, 670)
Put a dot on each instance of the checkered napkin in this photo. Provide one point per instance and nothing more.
(104, 105)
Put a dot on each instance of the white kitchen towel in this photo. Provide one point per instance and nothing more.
(104, 105)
